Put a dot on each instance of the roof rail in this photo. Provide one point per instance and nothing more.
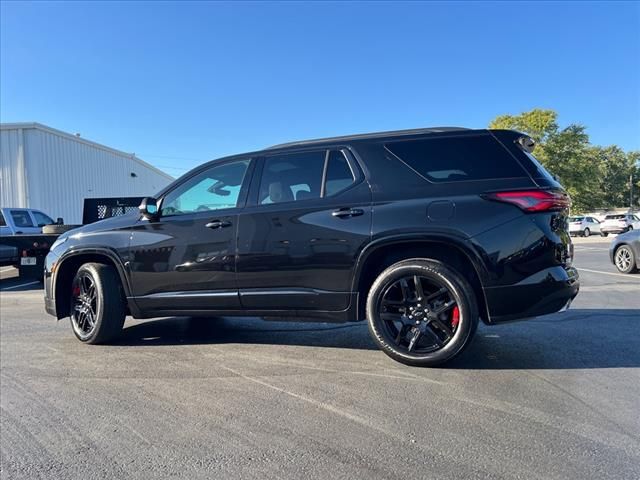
(364, 136)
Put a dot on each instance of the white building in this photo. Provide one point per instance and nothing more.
(54, 171)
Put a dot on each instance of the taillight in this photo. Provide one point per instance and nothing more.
(533, 200)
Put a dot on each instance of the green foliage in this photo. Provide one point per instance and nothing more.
(594, 176)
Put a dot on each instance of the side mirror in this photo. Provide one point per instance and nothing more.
(149, 208)
(59, 221)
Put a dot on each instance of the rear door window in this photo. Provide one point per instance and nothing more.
(291, 177)
(339, 175)
(21, 218)
(2, 221)
(458, 159)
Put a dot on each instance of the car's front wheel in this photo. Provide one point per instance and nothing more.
(97, 304)
(624, 259)
(421, 312)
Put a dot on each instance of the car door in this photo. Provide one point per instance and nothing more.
(308, 217)
(41, 219)
(5, 230)
(185, 260)
(23, 222)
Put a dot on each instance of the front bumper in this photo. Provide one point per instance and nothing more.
(548, 291)
(49, 293)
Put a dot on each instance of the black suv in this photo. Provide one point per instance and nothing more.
(422, 231)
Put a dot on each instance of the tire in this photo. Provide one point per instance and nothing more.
(438, 277)
(624, 259)
(604, 234)
(107, 304)
(58, 229)
(586, 232)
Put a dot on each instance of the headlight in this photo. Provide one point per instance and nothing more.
(59, 242)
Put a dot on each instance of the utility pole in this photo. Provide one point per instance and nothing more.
(631, 192)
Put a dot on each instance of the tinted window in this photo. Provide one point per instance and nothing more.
(21, 218)
(42, 219)
(215, 188)
(576, 219)
(614, 217)
(291, 177)
(2, 222)
(339, 174)
(457, 159)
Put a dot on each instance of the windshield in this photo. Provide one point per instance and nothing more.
(614, 217)
(576, 219)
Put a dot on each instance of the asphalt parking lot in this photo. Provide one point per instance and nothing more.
(554, 397)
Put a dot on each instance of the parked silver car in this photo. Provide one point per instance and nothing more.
(624, 252)
(584, 225)
(619, 223)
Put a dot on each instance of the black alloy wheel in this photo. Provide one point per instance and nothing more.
(421, 312)
(97, 304)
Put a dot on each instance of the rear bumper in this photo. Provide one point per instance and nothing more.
(548, 291)
(613, 229)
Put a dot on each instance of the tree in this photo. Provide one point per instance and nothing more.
(595, 177)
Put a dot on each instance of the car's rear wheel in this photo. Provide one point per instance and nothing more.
(97, 304)
(624, 259)
(586, 232)
(421, 312)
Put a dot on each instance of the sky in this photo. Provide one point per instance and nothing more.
(180, 83)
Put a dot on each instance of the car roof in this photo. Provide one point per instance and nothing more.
(320, 142)
(370, 136)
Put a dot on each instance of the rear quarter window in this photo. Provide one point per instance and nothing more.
(457, 159)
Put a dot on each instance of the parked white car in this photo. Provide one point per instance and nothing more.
(619, 223)
(584, 226)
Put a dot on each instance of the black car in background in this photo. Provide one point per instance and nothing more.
(423, 232)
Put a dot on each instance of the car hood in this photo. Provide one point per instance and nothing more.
(628, 237)
(113, 223)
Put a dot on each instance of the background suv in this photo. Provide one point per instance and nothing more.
(423, 232)
(619, 223)
(584, 226)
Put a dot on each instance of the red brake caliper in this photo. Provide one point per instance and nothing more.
(76, 292)
(455, 317)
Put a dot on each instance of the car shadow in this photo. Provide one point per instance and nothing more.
(578, 339)
(10, 282)
(246, 330)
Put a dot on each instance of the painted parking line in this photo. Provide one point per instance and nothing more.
(630, 277)
(18, 286)
(6, 269)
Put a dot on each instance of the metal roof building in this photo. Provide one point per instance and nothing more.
(54, 171)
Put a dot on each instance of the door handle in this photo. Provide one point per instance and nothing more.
(218, 224)
(347, 212)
